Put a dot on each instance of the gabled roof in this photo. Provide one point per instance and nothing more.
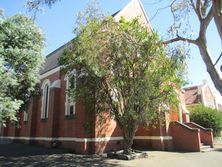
(199, 94)
(192, 95)
(133, 9)
(51, 61)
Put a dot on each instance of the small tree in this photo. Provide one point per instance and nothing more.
(207, 117)
(125, 68)
(21, 57)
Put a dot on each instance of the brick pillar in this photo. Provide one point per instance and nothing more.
(5, 130)
(54, 107)
(17, 125)
(32, 112)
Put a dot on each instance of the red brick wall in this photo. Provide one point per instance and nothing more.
(106, 126)
(72, 127)
(24, 127)
(57, 125)
(185, 138)
(206, 135)
(9, 130)
(43, 127)
(108, 146)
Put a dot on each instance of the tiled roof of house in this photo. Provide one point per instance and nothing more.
(191, 95)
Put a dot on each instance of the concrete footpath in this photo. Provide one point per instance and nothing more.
(175, 159)
(25, 155)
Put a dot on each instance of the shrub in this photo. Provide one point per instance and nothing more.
(207, 117)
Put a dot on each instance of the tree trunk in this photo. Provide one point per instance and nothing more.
(128, 135)
(209, 65)
(217, 13)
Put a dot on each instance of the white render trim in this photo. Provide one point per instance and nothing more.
(25, 116)
(44, 114)
(50, 72)
(56, 84)
(153, 137)
(75, 139)
(67, 103)
(184, 109)
(203, 95)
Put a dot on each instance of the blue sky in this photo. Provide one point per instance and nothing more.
(58, 23)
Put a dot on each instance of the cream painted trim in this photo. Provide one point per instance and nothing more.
(203, 95)
(153, 137)
(75, 139)
(50, 72)
(184, 109)
(43, 112)
(67, 103)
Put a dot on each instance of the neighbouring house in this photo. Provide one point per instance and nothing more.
(201, 94)
(53, 121)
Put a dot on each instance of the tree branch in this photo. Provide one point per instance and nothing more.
(197, 9)
(179, 38)
(205, 23)
(209, 16)
(217, 15)
(163, 8)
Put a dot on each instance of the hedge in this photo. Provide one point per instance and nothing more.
(207, 117)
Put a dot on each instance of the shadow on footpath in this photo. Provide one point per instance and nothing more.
(218, 149)
(17, 155)
(19, 150)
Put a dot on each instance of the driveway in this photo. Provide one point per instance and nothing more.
(32, 156)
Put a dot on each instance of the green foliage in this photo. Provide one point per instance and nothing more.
(126, 70)
(37, 5)
(8, 106)
(21, 57)
(207, 117)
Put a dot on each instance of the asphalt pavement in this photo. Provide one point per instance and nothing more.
(18, 155)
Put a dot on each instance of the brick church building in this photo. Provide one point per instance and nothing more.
(54, 122)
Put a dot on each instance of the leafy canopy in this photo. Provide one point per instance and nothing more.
(130, 67)
(21, 57)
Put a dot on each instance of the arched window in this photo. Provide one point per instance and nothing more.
(25, 116)
(45, 99)
(70, 102)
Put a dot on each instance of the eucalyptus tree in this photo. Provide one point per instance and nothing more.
(206, 11)
(21, 57)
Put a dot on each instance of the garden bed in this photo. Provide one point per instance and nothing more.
(120, 155)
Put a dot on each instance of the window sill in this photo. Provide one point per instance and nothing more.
(44, 119)
(69, 117)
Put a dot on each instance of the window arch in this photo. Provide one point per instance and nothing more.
(70, 101)
(45, 99)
